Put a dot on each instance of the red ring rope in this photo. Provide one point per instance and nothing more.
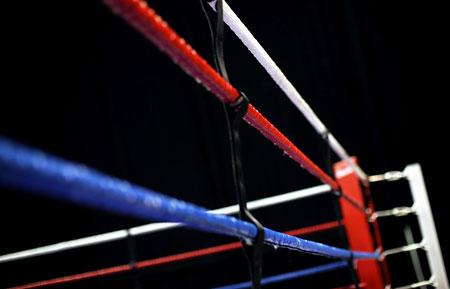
(153, 27)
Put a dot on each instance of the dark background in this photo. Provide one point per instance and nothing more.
(79, 83)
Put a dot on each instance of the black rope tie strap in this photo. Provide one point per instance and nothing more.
(351, 265)
(132, 255)
(254, 250)
(234, 113)
(336, 195)
(220, 59)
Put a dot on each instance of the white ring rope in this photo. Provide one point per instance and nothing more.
(241, 31)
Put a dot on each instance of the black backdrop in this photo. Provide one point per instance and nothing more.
(81, 84)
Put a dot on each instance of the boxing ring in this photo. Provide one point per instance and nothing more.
(49, 176)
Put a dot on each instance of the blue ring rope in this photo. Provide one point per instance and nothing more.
(290, 275)
(50, 176)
